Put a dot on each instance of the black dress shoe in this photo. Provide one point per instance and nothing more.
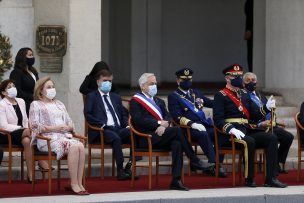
(128, 168)
(178, 185)
(198, 166)
(249, 182)
(274, 183)
(122, 175)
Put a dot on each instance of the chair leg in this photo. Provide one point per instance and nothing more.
(50, 175)
(189, 167)
(89, 161)
(58, 174)
(113, 163)
(240, 168)
(133, 170)
(299, 165)
(33, 173)
(233, 170)
(150, 172)
(22, 166)
(10, 159)
(156, 170)
(102, 164)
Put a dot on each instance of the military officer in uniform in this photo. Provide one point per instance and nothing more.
(186, 107)
(232, 110)
(285, 138)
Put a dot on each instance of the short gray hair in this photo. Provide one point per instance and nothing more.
(144, 78)
(246, 75)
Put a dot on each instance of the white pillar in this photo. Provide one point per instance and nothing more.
(285, 48)
(82, 19)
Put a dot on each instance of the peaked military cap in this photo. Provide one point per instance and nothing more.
(184, 73)
(233, 70)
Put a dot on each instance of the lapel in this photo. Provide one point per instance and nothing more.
(100, 101)
(11, 108)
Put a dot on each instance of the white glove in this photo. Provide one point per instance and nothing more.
(199, 127)
(237, 133)
(270, 103)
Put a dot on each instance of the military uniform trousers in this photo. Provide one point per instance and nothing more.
(285, 139)
(258, 140)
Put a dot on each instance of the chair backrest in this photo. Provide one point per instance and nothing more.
(126, 103)
(300, 130)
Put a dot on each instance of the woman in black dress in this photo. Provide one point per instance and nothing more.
(25, 75)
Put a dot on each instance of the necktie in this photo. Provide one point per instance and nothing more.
(111, 110)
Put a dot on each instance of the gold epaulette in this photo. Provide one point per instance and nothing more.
(243, 90)
(183, 120)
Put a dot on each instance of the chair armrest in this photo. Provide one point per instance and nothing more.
(95, 128)
(4, 131)
(43, 138)
(79, 136)
(281, 125)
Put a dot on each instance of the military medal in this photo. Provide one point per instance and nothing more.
(240, 108)
(195, 109)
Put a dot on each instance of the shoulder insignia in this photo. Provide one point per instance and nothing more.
(243, 90)
(223, 93)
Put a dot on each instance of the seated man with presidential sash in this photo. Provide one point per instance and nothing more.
(186, 107)
(149, 115)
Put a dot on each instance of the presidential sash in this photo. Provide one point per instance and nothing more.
(237, 102)
(199, 113)
(150, 105)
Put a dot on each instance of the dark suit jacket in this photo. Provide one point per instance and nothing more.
(95, 113)
(25, 85)
(144, 121)
(302, 114)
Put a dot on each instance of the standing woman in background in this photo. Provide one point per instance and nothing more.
(25, 75)
(89, 84)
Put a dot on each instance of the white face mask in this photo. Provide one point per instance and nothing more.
(12, 92)
(51, 93)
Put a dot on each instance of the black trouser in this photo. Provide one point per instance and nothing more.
(116, 136)
(285, 139)
(174, 139)
(257, 140)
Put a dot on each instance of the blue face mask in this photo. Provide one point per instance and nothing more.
(185, 85)
(152, 90)
(251, 86)
(237, 82)
(105, 86)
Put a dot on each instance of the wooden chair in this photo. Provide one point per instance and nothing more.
(300, 131)
(50, 156)
(101, 146)
(10, 148)
(227, 150)
(148, 152)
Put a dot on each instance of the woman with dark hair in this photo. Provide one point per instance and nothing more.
(25, 75)
(13, 119)
(89, 83)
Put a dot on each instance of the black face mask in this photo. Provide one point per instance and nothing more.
(185, 85)
(30, 61)
(251, 86)
(237, 82)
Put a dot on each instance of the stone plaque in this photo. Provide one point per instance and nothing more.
(51, 43)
